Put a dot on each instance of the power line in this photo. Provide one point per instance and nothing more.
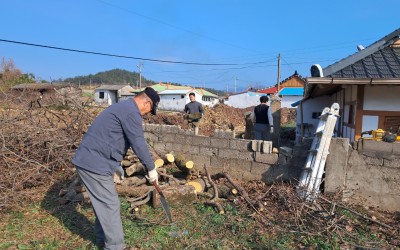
(120, 56)
(132, 57)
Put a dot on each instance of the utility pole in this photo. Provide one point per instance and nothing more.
(279, 70)
(140, 75)
(235, 84)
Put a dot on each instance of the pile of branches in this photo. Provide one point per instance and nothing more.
(280, 209)
(37, 143)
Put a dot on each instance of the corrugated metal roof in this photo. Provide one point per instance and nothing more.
(205, 92)
(292, 91)
(112, 87)
(163, 86)
(174, 92)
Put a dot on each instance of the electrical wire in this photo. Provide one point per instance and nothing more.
(131, 57)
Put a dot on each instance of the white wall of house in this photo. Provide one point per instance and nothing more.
(209, 101)
(383, 98)
(175, 102)
(103, 96)
(376, 98)
(244, 100)
(287, 100)
(311, 111)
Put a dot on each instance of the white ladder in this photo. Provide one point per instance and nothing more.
(311, 177)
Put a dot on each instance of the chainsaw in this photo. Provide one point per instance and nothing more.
(381, 135)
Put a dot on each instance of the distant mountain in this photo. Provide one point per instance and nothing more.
(121, 76)
(114, 76)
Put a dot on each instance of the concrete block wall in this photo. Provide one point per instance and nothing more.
(242, 159)
(368, 175)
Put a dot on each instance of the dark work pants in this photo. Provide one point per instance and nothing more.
(262, 132)
(106, 205)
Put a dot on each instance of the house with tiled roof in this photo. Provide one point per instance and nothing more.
(365, 84)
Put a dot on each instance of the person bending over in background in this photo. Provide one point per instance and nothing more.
(262, 117)
(194, 112)
(99, 155)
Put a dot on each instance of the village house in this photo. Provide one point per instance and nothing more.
(110, 94)
(366, 85)
(175, 97)
(244, 99)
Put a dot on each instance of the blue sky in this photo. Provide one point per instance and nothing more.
(221, 44)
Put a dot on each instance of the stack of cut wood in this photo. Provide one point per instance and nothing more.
(179, 178)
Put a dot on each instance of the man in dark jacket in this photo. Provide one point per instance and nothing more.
(194, 112)
(99, 155)
(264, 124)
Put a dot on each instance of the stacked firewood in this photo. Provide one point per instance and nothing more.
(181, 180)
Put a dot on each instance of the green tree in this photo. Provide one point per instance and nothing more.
(10, 75)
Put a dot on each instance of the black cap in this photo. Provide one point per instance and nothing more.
(152, 94)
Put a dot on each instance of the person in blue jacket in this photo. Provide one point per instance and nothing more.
(99, 155)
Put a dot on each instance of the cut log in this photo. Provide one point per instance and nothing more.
(183, 164)
(134, 181)
(224, 191)
(159, 163)
(170, 158)
(135, 191)
(186, 166)
(136, 168)
(198, 184)
(176, 195)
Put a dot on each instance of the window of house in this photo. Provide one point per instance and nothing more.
(101, 95)
(392, 124)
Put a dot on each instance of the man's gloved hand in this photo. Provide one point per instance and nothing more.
(120, 172)
(152, 176)
(271, 130)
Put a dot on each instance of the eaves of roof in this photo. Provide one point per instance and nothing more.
(319, 86)
(296, 91)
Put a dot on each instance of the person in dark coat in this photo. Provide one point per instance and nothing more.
(263, 121)
(99, 156)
